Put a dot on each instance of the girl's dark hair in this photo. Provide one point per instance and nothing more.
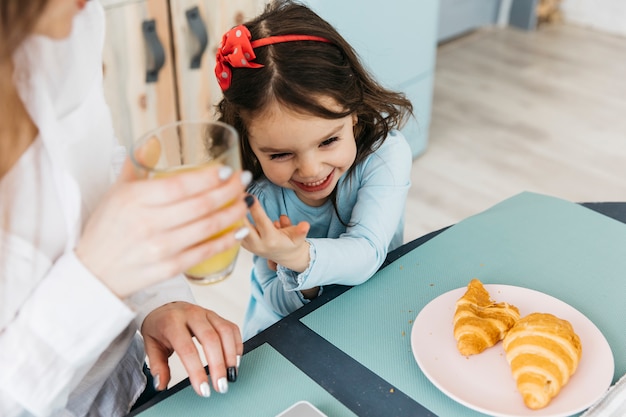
(296, 74)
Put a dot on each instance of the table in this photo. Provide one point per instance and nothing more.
(348, 351)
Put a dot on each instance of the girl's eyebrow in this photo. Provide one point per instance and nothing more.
(333, 132)
(270, 150)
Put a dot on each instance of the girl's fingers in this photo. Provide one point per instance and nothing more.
(302, 228)
(284, 221)
(296, 233)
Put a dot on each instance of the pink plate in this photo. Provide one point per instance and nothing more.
(484, 382)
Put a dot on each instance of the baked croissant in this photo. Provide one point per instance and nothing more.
(480, 322)
(543, 352)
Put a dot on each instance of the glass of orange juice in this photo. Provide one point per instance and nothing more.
(188, 145)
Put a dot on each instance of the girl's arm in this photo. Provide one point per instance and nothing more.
(375, 223)
(277, 242)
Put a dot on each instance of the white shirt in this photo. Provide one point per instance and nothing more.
(68, 345)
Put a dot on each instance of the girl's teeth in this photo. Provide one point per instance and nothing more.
(316, 183)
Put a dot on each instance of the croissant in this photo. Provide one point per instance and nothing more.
(480, 322)
(543, 352)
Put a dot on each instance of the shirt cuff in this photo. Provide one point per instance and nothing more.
(305, 300)
(157, 295)
(293, 280)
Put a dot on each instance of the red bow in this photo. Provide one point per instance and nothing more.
(235, 51)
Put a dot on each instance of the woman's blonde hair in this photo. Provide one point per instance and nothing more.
(17, 20)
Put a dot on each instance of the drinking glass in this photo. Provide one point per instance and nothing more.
(188, 145)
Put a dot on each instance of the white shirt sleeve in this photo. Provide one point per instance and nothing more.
(46, 348)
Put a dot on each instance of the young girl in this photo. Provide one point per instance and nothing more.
(330, 172)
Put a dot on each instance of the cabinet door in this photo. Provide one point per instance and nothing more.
(138, 77)
(198, 26)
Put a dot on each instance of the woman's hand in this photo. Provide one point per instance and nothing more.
(171, 328)
(146, 231)
(280, 242)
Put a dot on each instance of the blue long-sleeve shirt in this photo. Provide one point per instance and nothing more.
(371, 202)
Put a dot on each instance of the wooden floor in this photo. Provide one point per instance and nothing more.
(513, 111)
(517, 111)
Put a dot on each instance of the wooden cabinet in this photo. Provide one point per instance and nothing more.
(159, 57)
(160, 54)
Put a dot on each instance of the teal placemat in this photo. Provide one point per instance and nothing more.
(534, 241)
(267, 384)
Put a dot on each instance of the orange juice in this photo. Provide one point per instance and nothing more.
(221, 263)
(218, 266)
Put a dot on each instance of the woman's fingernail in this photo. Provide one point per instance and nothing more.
(205, 389)
(224, 172)
(231, 373)
(249, 200)
(156, 381)
(242, 233)
(238, 361)
(222, 385)
(246, 177)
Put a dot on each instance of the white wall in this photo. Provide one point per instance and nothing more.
(605, 15)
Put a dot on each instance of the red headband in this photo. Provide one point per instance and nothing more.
(236, 51)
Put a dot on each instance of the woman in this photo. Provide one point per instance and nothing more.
(85, 265)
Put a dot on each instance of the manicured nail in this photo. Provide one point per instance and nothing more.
(238, 361)
(222, 385)
(205, 389)
(246, 177)
(249, 200)
(156, 381)
(231, 373)
(241, 233)
(225, 172)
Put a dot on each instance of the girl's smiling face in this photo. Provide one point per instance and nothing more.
(305, 153)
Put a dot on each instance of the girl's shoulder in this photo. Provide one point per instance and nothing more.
(394, 153)
(270, 195)
(262, 187)
(395, 142)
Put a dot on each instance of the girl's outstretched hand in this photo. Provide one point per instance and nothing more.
(147, 230)
(281, 242)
